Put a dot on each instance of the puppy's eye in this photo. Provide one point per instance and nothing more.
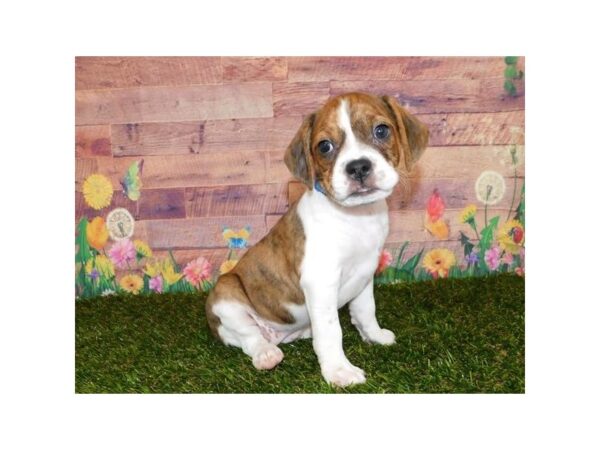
(325, 147)
(381, 131)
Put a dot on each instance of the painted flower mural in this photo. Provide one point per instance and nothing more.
(110, 261)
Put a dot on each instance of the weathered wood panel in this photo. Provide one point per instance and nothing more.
(441, 96)
(298, 98)
(92, 141)
(182, 170)
(250, 134)
(205, 232)
(499, 128)
(254, 69)
(323, 68)
(168, 138)
(84, 167)
(171, 104)
(224, 201)
(277, 171)
(92, 72)
(153, 204)
(469, 161)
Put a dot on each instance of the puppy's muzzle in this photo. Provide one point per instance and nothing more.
(359, 169)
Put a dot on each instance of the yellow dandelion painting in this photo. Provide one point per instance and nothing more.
(142, 248)
(97, 191)
(468, 213)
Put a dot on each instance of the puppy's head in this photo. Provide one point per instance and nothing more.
(356, 148)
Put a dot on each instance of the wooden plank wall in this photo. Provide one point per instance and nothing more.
(212, 132)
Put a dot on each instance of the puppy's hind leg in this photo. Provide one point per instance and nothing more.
(238, 328)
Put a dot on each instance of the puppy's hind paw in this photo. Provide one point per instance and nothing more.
(267, 357)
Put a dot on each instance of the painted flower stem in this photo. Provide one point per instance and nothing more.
(487, 197)
(512, 202)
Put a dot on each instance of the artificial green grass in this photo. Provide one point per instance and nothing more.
(453, 335)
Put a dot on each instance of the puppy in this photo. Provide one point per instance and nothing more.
(323, 253)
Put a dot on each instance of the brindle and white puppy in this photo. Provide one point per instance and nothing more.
(324, 251)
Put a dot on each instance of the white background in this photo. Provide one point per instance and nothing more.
(38, 405)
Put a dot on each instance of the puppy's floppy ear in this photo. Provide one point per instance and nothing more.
(414, 134)
(298, 158)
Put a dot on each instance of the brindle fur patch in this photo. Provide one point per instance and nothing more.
(267, 277)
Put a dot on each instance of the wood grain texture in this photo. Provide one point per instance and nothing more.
(298, 98)
(92, 141)
(153, 204)
(236, 200)
(250, 134)
(118, 72)
(392, 68)
(161, 172)
(169, 138)
(254, 69)
(171, 104)
(204, 232)
(84, 167)
(441, 96)
(499, 128)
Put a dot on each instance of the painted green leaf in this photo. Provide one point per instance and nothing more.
(520, 213)
(399, 259)
(83, 247)
(410, 265)
(487, 236)
(511, 72)
(510, 88)
(466, 243)
(511, 59)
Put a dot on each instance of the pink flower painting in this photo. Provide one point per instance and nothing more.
(122, 253)
(197, 270)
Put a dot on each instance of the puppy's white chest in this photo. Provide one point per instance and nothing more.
(342, 244)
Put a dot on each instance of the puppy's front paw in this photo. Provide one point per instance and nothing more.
(267, 357)
(344, 375)
(383, 337)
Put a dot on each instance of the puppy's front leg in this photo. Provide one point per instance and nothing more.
(362, 313)
(321, 302)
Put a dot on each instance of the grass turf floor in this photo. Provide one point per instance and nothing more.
(457, 335)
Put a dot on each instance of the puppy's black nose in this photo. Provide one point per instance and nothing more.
(359, 169)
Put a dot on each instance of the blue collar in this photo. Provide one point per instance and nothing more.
(319, 188)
